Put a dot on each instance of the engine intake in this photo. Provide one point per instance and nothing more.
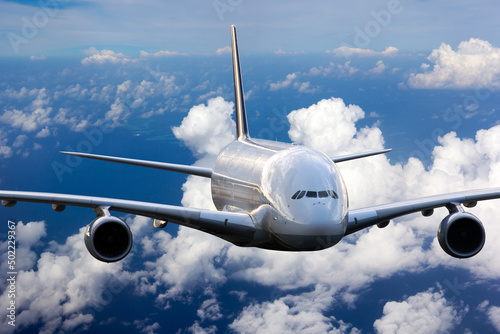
(108, 239)
(461, 235)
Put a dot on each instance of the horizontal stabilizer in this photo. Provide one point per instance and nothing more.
(186, 169)
(348, 157)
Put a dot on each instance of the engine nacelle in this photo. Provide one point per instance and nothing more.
(461, 235)
(108, 239)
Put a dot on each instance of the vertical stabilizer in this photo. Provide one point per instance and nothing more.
(239, 97)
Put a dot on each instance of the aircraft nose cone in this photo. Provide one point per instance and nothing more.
(320, 217)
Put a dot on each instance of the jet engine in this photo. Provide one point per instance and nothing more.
(461, 234)
(108, 239)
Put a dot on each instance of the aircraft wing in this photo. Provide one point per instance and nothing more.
(366, 217)
(186, 169)
(220, 223)
(348, 157)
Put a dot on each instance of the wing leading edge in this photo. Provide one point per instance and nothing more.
(366, 217)
(232, 226)
(186, 169)
(348, 157)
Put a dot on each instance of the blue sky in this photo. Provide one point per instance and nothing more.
(153, 80)
(66, 27)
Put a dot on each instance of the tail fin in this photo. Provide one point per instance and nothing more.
(239, 97)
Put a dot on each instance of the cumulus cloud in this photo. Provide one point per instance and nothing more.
(117, 114)
(345, 69)
(19, 141)
(185, 265)
(210, 309)
(494, 316)
(162, 53)
(196, 263)
(224, 50)
(379, 68)
(282, 52)
(307, 124)
(330, 126)
(63, 286)
(345, 51)
(41, 57)
(285, 83)
(5, 150)
(75, 121)
(474, 65)
(292, 81)
(35, 116)
(104, 56)
(291, 314)
(425, 312)
(22, 93)
(207, 128)
(144, 327)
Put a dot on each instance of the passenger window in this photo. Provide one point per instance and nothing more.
(296, 194)
(322, 194)
(302, 193)
(312, 194)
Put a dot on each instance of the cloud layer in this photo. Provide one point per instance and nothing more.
(305, 286)
(474, 65)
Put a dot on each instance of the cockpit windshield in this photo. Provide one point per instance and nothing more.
(315, 194)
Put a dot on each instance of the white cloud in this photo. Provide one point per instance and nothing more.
(104, 56)
(162, 53)
(347, 69)
(494, 316)
(345, 51)
(308, 125)
(210, 94)
(291, 81)
(379, 68)
(56, 293)
(5, 151)
(75, 121)
(224, 50)
(207, 128)
(209, 310)
(117, 114)
(142, 326)
(194, 262)
(41, 57)
(291, 314)
(186, 264)
(197, 329)
(22, 93)
(45, 132)
(19, 141)
(341, 69)
(282, 52)
(474, 65)
(123, 87)
(425, 312)
(285, 83)
(36, 115)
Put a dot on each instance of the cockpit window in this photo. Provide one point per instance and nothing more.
(314, 194)
(333, 194)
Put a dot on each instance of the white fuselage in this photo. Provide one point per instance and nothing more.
(295, 194)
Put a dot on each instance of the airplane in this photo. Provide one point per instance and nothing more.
(269, 195)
